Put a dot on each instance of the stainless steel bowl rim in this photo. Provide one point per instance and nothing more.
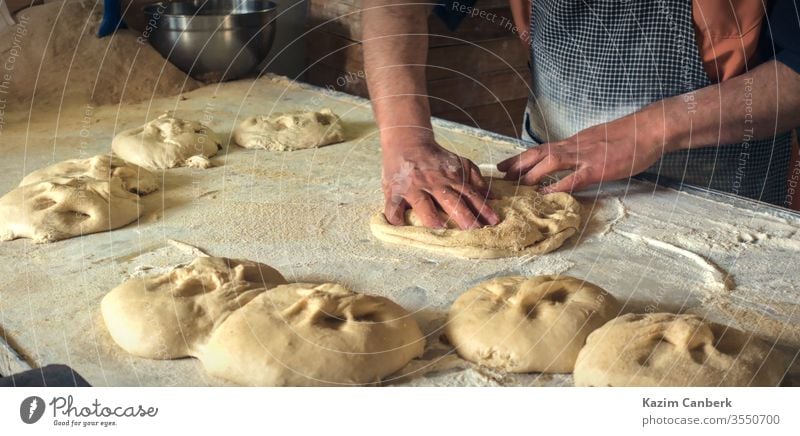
(150, 10)
(191, 22)
(213, 47)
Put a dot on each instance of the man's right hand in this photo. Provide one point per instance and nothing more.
(417, 172)
(422, 176)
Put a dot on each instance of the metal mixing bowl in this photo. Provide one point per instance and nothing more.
(212, 40)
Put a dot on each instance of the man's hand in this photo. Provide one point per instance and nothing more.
(608, 151)
(628, 146)
(417, 172)
(422, 176)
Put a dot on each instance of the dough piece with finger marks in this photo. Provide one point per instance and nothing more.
(664, 349)
(289, 131)
(171, 315)
(62, 208)
(168, 142)
(303, 334)
(530, 223)
(528, 324)
(101, 167)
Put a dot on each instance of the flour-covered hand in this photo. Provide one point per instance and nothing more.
(422, 176)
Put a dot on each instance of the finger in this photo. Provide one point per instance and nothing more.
(525, 162)
(577, 180)
(478, 182)
(506, 163)
(550, 164)
(489, 194)
(395, 211)
(424, 208)
(475, 177)
(523, 159)
(480, 205)
(455, 208)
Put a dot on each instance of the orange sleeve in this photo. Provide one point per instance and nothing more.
(727, 34)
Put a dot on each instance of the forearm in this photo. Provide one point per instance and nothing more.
(755, 105)
(395, 54)
(521, 12)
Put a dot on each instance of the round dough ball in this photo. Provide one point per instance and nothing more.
(101, 167)
(304, 334)
(167, 142)
(62, 208)
(531, 223)
(663, 349)
(528, 324)
(171, 315)
(290, 131)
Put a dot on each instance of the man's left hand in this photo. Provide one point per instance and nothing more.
(610, 151)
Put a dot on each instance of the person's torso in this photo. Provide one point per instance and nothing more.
(593, 61)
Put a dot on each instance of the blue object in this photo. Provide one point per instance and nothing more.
(452, 12)
(780, 35)
(112, 18)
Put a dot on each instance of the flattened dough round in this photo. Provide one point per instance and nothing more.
(304, 334)
(246, 325)
(528, 324)
(101, 167)
(290, 131)
(531, 223)
(171, 315)
(664, 349)
(62, 208)
(167, 142)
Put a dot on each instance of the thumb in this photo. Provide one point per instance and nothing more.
(395, 210)
(572, 182)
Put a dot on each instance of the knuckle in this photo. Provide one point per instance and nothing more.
(417, 200)
(530, 178)
(586, 175)
(474, 196)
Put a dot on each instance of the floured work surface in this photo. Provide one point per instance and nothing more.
(307, 214)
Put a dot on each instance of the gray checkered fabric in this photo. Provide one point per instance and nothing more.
(593, 61)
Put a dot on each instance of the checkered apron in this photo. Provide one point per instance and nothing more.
(593, 61)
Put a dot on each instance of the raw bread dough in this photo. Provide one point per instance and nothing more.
(304, 334)
(167, 142)
(663, 349)
(61, 208)
(528, 324)
(247, 326)
(198, 161)
(171, 315)
(73, 198)
(290, 131)
(531, 223)
(101, 167)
